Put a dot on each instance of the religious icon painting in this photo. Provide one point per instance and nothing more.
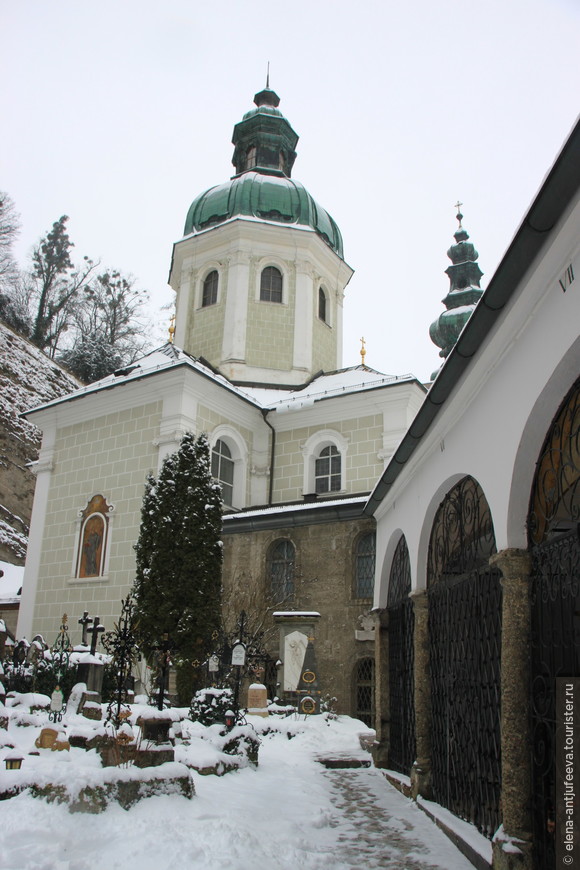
(93, 538)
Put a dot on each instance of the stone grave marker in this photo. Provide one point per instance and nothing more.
(258, 700)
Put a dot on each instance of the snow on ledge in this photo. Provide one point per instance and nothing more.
(463, 830)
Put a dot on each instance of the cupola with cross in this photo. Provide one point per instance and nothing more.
(260, 272)
(464, 291)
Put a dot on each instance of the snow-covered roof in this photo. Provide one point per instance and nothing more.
(291, 508)
(10, 583)
(324, 386)
(343, 382)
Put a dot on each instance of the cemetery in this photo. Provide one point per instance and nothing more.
(73, 731)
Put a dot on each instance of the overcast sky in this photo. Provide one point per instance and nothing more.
(118, 113)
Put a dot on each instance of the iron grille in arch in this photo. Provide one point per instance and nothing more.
(553, 535)
(464, 650)
(401, 662)
(365, 691)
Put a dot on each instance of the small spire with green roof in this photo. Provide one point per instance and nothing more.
(464, 291)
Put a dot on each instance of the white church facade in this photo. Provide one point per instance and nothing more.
(297, 442)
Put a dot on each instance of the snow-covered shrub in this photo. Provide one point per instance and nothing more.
(209, 706)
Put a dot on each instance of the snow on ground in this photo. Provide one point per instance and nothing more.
(290, 812)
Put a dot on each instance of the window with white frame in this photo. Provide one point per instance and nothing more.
(322, 305)
(325, 462)
(328, 470)
(222, 470)
(210, 289)
(271, 284)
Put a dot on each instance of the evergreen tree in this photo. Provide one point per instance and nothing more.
(55, 286)
(179, 559)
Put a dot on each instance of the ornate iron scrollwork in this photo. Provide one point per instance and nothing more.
(553, 534)
(465, 656)
(401, 662)
(555, 500)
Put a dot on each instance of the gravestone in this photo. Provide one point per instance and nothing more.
(258, 700)
(155, 747)
(90, 668)
(52, 738)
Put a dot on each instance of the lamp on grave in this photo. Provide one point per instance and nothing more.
(56, 705)
(13, 761)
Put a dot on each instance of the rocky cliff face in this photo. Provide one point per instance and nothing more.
(27, 378)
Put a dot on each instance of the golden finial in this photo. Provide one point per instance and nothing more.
(363, 352)
(172, 329)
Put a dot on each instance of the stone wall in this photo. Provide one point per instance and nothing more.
(324, 582)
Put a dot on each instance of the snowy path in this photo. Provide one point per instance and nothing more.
(290, 814)
(379, 828)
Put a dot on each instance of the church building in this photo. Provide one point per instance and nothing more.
(297, 441)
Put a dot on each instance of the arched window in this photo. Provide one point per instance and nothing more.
(280, 569)
(327, 470)
(365, 691)
(271, 285)
(222, 470)
(210, 289)
(322, 304)
(365, 566)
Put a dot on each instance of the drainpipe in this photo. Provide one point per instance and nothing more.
(265, 412)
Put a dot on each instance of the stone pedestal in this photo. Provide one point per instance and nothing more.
(91, 673)
(155, 747)
(516, 772)
(421, 770)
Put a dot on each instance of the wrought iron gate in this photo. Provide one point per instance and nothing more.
(401, 663)
(553, 531)
(465, 658)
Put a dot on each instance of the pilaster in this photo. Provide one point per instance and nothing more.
(516, 753)
(382, 696)
(421, 770)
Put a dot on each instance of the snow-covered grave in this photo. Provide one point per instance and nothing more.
(286, 811)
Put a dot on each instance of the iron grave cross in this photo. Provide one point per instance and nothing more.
(95, 629)
(85, 621)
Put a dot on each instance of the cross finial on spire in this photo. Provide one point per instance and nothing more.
(171, 329)
(268, 76)
(363, 352)
(459, 215)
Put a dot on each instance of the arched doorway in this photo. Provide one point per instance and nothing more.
(401, 660)
(553, 537)
(465, 657)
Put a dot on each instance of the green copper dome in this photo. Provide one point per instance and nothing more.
(262, 187)
(268, 197)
